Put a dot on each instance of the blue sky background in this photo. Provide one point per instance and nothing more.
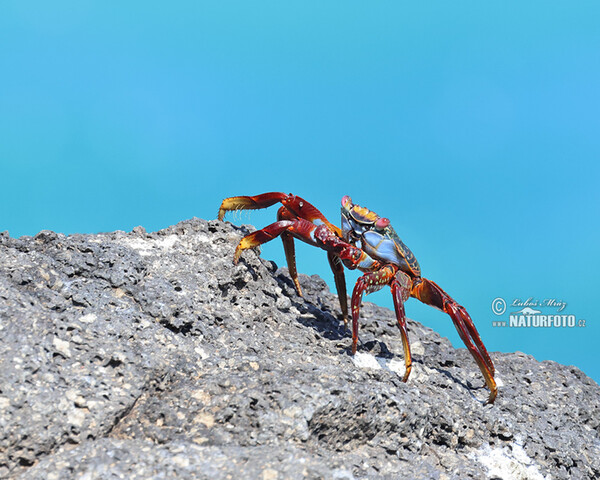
(473, 127)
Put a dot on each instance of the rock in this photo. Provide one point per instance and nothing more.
(150, 355)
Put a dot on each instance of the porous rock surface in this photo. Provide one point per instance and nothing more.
(150, 355)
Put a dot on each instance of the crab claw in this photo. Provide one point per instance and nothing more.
(250, 203)
(430, 293)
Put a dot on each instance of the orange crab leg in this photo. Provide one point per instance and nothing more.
(289, 248)
(400, 285)
(432, 294)
(400, 293)
(319, 236)
(368, 283)
(335, 263)
(299, 207)
(294, 208)
(338, 251)
(254, 239)
(337, 267)
(438, 298)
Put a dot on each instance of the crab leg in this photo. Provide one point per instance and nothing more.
(334, 262)
(297, 207)
(289, 248)
(318, 236)
(337, 267)
(299, 227)
(430, 293)
(442, 301)
(400, 293)
(368, 283)
(400, 285)
(294, 209)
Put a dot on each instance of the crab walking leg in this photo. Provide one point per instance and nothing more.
(290, 257)
(430, 293)
(488, 375)
(400, 293)
(369, 283)
(476, 338)
(289, 248)
(263, 200)
(441, 301)
(334, 262)
(337, 267)
(306, 222)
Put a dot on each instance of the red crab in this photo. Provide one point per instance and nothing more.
(368, 242)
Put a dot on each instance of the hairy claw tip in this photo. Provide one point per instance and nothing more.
(236, 256)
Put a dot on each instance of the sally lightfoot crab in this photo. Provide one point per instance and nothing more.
(366, 242)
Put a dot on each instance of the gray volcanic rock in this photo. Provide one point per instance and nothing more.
(150, 355)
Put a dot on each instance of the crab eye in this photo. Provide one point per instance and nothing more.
(301, 204)
(381, 223)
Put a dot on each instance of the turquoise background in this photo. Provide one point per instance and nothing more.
(473, 127)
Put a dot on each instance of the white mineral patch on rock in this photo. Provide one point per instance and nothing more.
(144, 247)
(61, 346)
(508, 463)
(88, 318)
(200, 351)
(366, 360)
(77, 417)
(395, 365)
(417, 348)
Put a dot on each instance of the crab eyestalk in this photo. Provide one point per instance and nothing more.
(346, 202)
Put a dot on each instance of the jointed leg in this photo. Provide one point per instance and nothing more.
(430, 293)
(334, 261)
(301, 228)
(289, 248)
(369, 283)
(318, 236)
(340, 284)
(298, 218)
(400, 293)
(290, 256)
